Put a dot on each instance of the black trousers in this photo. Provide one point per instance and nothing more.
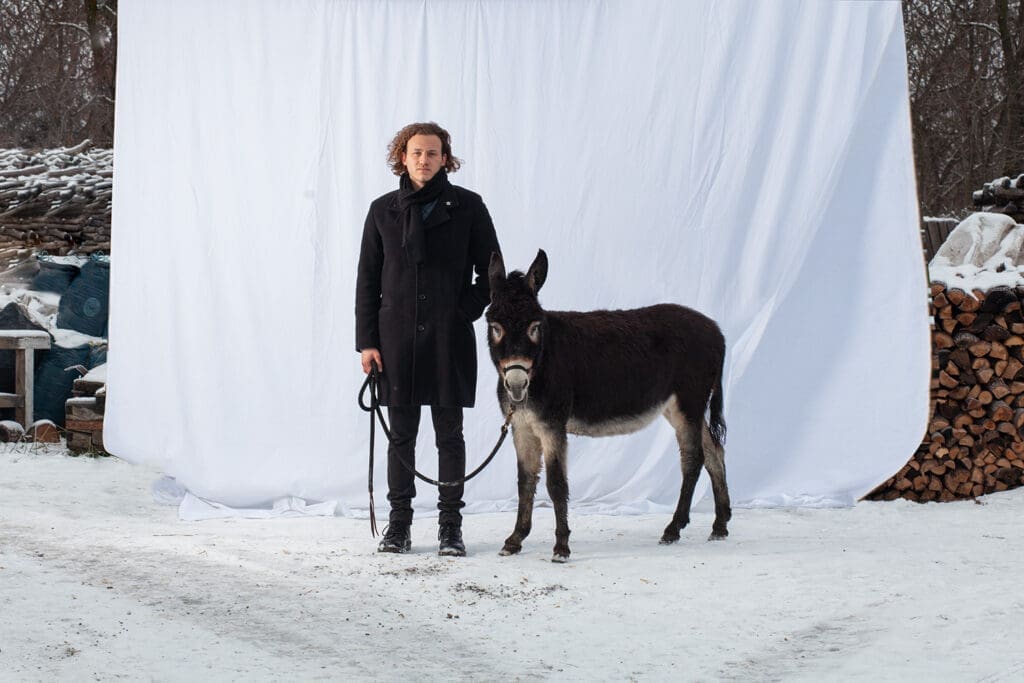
(451, 461)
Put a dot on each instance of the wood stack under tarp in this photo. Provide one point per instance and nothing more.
(55, 200)
(975, 438)
(1002, 195)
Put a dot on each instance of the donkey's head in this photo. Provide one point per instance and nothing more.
(516, 323)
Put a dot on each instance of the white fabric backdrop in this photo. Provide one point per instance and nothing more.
(752, 160)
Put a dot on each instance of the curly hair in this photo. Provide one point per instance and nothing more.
(397, 146)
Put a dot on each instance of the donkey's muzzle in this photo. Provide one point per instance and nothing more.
(517, 382)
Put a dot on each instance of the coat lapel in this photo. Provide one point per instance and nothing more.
(442, 210)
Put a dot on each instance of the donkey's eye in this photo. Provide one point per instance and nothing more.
(533, 332)
(497, 332)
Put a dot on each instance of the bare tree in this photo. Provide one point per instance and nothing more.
(57, 65)
(967, 103)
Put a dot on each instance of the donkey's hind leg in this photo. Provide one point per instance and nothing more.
(691, 455)
(528, 450)
(714, 463)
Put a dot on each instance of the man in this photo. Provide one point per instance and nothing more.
(416, 300)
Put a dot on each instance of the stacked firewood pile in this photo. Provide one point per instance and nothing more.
(1002, 195)
(84, 423)
(975, 440)
(55, 200)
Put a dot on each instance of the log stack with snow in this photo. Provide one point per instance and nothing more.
(55, 200)
(1003, 195)
(975, 439)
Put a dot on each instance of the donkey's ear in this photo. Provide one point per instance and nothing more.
(496, 270)
(538, 272)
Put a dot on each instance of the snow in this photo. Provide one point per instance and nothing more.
(97, 374)
(21, 334)
(1007, 182)
(98, 581)
(80, 401)
(69, 260)
(985, 250)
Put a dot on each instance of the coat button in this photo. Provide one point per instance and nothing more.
(420, 328)
(423, 297)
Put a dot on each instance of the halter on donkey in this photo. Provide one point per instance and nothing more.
(603, 373)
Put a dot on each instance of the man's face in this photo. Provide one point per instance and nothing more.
(423, 159)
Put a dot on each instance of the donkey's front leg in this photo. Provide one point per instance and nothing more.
(691, 454)
(555, 452)
(528, 462)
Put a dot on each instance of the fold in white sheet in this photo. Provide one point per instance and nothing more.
(194, 508)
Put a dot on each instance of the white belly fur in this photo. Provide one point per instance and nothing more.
(619, 425)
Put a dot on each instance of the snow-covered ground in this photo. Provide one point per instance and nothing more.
(97, 582)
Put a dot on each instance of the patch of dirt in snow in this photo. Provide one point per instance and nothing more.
(430, 569)
(503, 592)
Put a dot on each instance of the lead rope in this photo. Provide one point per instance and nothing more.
(373, 433)
(372, 383)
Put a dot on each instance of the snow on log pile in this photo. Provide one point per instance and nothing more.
(975, 439)
(1002, 195)
(55, 200)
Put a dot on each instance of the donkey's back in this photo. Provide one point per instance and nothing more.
(625, 367)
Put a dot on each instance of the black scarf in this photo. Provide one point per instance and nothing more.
(411, 201)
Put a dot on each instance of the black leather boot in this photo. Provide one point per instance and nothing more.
(450, 536)
(397, 538)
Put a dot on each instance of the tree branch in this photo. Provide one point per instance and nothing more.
(988, 27)
(77, 27)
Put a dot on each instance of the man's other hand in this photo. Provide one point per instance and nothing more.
(371, 355)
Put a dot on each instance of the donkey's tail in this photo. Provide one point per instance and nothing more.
(717, 423)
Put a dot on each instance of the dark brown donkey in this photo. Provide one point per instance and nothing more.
(602, 373)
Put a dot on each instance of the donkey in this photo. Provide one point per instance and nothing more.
(602, 373)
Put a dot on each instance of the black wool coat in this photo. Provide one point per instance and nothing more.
(421, 316)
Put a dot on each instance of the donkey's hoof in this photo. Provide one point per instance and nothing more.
(510, 550)
(718, 535)
(559, 558)
(670, 535)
